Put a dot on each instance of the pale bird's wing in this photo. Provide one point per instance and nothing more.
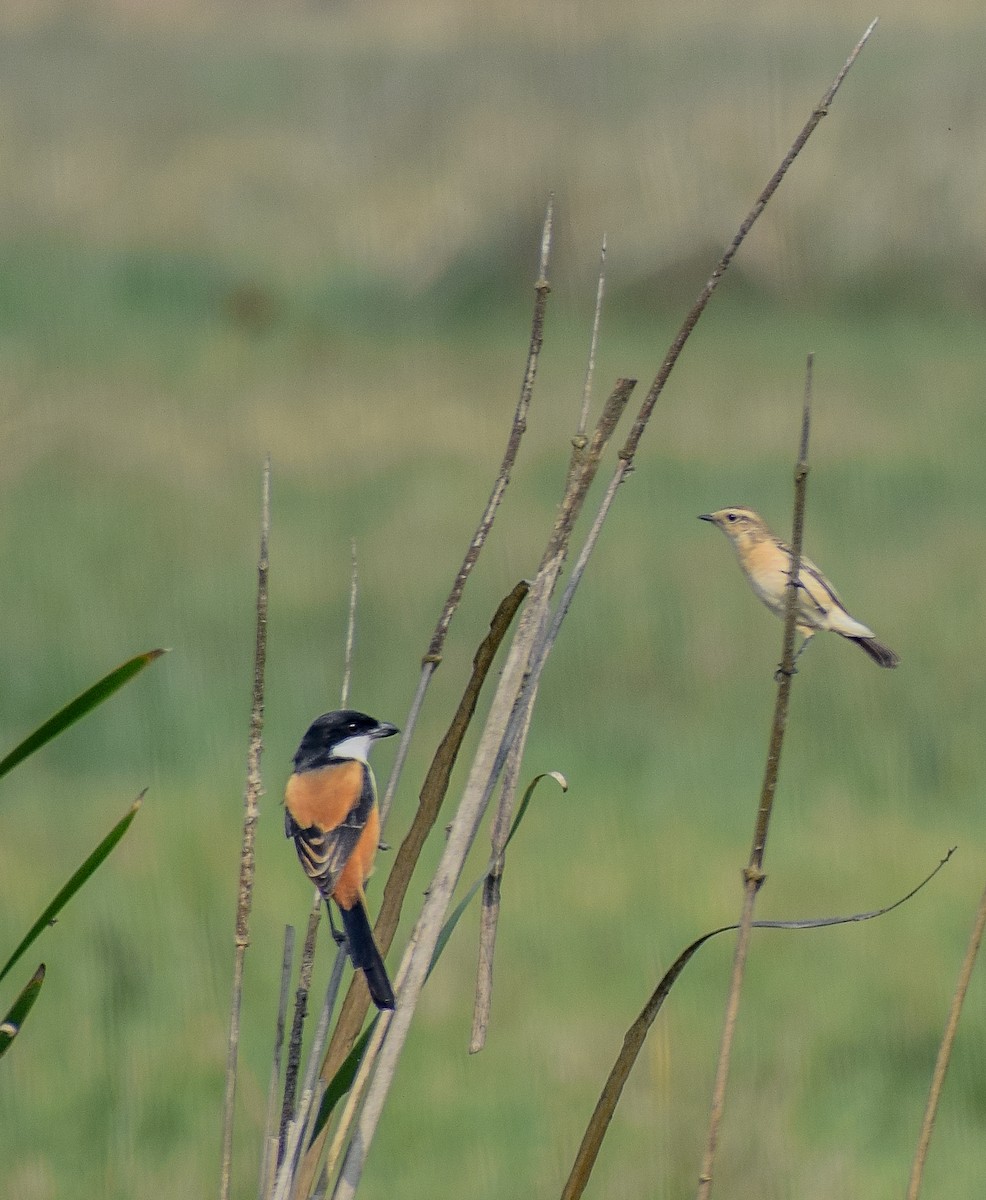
(821, 604)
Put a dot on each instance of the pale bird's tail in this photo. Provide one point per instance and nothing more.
(882, 655)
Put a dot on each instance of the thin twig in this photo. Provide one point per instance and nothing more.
(347, 674)
(590, 367)
(657, 387)
(633, 1042)
(433, 655)
(269, 1157)
(344, 691)
(753, 876)
(945, 1050)
(490, 911)
(251, 806)
(582, 469)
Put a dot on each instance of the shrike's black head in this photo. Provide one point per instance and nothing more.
(339, 735)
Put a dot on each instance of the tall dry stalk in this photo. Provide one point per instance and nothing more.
(251, 813)
(753, 875)
(945, 1051)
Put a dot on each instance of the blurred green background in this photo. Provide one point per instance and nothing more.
(312, 229)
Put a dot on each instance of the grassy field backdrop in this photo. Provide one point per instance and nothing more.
(224, 231)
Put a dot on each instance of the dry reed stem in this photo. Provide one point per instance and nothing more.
(312, 1089)
(534, 623)
(753, 876)
(581, 472)
(251, 812)
(945, 1051)
(269, 1158)
(433, 655)
(657, 387)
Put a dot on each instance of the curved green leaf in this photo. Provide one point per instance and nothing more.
(342, 1080)
(10, 1026)
(77, 708)
(78, 879)
(449, 926)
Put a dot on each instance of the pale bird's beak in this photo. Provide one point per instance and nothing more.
(707, 517)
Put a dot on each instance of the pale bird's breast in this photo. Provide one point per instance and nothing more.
(766, 568)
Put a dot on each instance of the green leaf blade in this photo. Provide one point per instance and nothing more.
(10, 1026)
(76, 709)
(91, 864)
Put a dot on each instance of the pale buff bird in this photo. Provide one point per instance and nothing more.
(766, 562)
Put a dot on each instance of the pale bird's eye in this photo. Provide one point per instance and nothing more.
(731, 517)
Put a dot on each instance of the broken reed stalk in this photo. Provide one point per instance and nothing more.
(753, 876)
(433, 655)
(268, 1162)
(305, 969)
(490, 910)
(657, 387)
(483, 774)
(312, 1089)
(945, 1051)
(581, 462)
(251, 812)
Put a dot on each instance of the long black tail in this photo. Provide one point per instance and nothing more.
(877, 651)
(365, 955)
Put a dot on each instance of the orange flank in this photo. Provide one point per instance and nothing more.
(325, 797)
(349, 887)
